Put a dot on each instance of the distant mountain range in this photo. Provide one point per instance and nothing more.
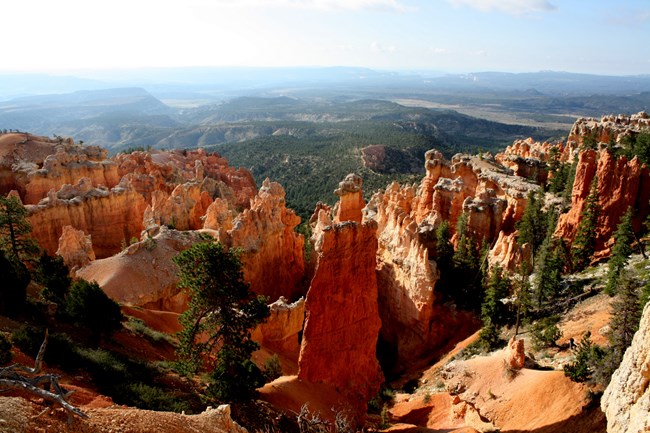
(191, 107)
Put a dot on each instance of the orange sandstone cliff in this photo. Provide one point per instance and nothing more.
(111, 216)
(622, 183)
(342, 324)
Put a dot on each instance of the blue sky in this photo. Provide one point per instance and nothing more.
(595, 36)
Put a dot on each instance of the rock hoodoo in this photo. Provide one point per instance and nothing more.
(342, 325)
(351, 200)
(76, 248)
(273, 256)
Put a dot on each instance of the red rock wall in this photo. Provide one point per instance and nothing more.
(621, 183)
(110, 217)
(342, 325)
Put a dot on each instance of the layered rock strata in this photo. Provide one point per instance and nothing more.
(35, 165)
(111, 216)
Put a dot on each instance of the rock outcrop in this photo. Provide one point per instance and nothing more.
(406, 277)
(626, 401)
(621, 184)
(351, 202)
(112, 217)
(608, 128)
(183, 209)
(490, 193)
(35, 165)
(164, 170)
(342, 325)
(414, 320)
(76, 248)
(273, 257)
(144, 275)
(280, 333)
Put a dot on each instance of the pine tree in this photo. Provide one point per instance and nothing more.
(220, 317)
(584, 243)
(532, 225)
(624, 322)
(622, 250)
(626, 315)
(15, 230)
(444, 247)
(466, 272)
(493, 312)
(588, 357)
(548, 280)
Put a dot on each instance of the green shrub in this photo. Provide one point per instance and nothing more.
(53, 274)
(87, 305)
(272, 368)
(545, 332)
(588, 357)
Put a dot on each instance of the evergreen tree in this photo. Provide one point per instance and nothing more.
(622, 250)
(548, 279)
(624, 322)
(88, 306)
(626, 315)
(570, 180)
(584, 243)
(532, 225)
(15, 229)
(444, 247)
(217, 324)
(498, 288)
(54, 275)
(13, 290)
(466, 271)
(493, 312)
(588, 357)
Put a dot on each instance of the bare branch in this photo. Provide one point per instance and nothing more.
(11, 379)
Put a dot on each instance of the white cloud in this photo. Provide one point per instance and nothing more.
(512, 7)
(331, 5)
(438, 50)
(376, 47)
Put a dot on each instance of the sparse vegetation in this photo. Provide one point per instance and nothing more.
(272, 368)
(545, 332)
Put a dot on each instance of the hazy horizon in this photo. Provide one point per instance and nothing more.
(444, 36)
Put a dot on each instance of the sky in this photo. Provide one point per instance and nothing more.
(589, 36)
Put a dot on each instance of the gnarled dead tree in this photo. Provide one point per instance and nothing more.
(13, 377)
